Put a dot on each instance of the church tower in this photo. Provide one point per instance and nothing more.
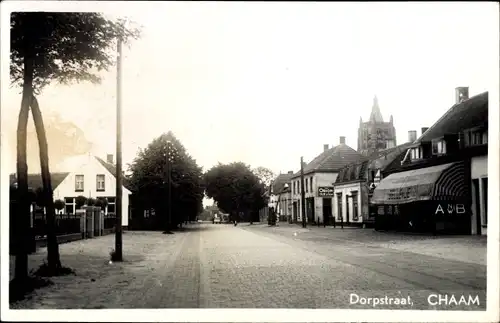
(375, 134)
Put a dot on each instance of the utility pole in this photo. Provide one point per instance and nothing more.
(118, 205)
(302, 193)
(169, 185)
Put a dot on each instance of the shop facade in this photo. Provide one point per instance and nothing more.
(432, 199)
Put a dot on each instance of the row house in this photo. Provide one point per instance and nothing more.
(319, 178)
(440, 183)
(355, 184)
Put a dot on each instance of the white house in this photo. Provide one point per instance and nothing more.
(88, 176)
(319, 177)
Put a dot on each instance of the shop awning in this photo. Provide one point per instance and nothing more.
(443, 182)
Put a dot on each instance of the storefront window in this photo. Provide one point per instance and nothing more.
(380, 210)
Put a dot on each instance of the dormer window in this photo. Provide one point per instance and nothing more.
(439, 147)
(475, 137)
(416, 153)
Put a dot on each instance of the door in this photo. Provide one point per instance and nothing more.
(327, 210)
(477, 203)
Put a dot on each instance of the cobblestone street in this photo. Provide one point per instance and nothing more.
(222, 266)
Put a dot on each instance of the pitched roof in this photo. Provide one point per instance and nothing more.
(352, 172)
(112, 169)
(35, 180)
(467, 114)
(280, 181)
(378, 160)
(332, 160)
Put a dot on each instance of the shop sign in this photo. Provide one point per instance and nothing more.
(325, 191)
(450, 209)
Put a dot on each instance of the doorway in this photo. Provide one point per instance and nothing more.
(310, 210)
(347, 208)
(327, 210)
(295, 212)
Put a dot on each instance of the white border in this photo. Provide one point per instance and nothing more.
(248, 315)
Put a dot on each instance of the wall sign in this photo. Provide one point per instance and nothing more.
(325, 191)
(450, 209)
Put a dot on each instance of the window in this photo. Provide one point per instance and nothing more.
(69, 205)
(354, 205)
(439, 147)
(311, 184)
(306, 184)
(79, 183)
(339, 206)
(100, 183)
(476, 137)
(416, 153)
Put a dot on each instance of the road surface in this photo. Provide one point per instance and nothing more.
(223, 266)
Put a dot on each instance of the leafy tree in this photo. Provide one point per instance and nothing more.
(80, 201)
(265, 175)
(59, 204)
(47, 47)
(235, 188)
(150, 181)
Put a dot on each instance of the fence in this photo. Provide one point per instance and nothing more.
(64, 224)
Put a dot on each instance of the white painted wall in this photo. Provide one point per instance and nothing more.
(90, 167)
(479, 170)
(346, 189)
(318, 180)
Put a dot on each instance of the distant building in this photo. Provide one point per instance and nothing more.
(375, 134)
(441, 182)
(92, 177)
(319, 177)
(281, 195)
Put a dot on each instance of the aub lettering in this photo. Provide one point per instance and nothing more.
(450, 209)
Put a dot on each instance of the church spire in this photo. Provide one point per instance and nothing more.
(376, 115)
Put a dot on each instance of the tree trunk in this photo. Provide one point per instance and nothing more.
(53, 258)
(23, 217)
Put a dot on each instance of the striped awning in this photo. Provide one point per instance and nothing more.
(442, 182)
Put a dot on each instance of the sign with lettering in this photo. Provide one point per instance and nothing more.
(325, 191)
(450, 209)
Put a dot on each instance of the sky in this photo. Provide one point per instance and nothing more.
(267, 83)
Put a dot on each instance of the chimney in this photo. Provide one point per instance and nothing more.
(325, 147)
(342, 140)
(290, 172)
(109, 158)
(412, 135)
(424, 129)
(461, 94)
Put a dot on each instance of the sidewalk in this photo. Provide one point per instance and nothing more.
(469, 249)
(143, 252)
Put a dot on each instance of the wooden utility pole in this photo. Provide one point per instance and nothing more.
(118, 204)
(302, 193)
(169, 183)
